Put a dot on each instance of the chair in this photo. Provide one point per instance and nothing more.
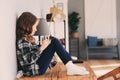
(114, 74)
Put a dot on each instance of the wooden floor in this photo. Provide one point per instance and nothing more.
(59, 73)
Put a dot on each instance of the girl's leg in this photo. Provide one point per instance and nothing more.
(65, 57)
(48, 53)
(61, 51)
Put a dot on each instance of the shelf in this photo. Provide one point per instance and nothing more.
(102, 50)
(74, 47)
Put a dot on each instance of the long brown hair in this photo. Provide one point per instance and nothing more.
(24, 26)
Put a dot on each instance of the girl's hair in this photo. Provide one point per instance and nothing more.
(24, 26)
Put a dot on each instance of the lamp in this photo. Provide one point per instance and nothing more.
(57, 14)
(42, 29)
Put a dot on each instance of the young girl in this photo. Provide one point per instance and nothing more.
(34, 60)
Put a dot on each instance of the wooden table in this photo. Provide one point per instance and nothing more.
(59, 73)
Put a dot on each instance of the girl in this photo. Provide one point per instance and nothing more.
(34, 60)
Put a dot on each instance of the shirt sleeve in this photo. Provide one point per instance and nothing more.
(27, 53)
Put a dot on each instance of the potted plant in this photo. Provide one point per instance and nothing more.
(74, 21)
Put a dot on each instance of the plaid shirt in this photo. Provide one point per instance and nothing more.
(28, 54)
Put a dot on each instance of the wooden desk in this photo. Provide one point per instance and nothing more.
(59, 73)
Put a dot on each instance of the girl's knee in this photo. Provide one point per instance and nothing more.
(55, 39)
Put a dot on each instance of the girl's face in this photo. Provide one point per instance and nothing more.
(34, 27)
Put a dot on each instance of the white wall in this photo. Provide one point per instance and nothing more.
(9, 11)
(29, 5)
(100, 18)
(7, 40)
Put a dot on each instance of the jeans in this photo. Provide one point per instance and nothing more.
(48, 53)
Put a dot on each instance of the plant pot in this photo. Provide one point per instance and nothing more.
(74, 35)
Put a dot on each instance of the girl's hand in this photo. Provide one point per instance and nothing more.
(44, 44)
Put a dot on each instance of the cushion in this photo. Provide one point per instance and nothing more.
(92, 41)
(110, 41)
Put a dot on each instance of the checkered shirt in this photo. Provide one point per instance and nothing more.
(28, 54)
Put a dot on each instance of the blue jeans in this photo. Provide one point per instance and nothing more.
(48, 53)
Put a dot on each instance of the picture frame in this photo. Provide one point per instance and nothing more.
(60, 6)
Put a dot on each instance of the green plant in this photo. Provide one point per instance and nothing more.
(73, 21)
